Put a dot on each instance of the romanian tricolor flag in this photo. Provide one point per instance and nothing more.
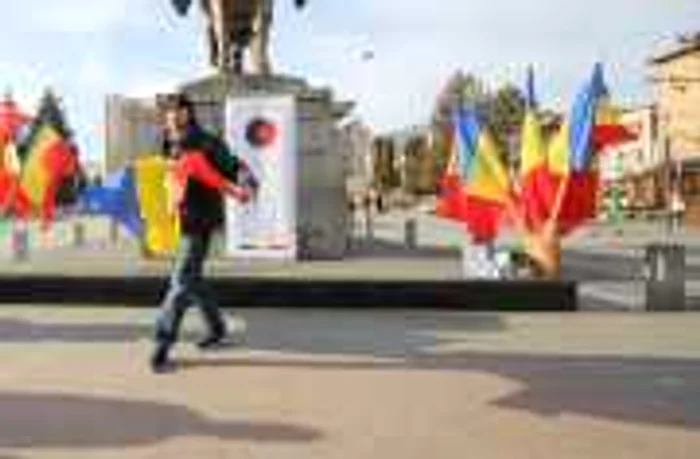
(537, 190)
(571, 158)
(139, 198)
(50, 160)
(610, 130)
(160, 189)
(144, 197)
(476, 165)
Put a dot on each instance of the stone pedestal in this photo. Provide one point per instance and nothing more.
(322, 216)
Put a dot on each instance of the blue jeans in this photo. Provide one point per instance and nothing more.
(187, 287)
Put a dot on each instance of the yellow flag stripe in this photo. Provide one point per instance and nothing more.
(156, 205)
(532, 150)
(559, 151)
(490, 178)
(608, 113)
(35, 176)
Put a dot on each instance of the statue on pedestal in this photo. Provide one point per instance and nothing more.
(233, 26)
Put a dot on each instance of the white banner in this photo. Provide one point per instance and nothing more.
(262, 132)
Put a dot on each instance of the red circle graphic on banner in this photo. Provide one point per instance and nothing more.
(261, 133)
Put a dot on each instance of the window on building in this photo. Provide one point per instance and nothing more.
(691, 185)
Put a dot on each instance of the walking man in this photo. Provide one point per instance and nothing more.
(200, 208)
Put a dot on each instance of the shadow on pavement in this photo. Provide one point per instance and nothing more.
(57, 421)
(380, 334)
(657, 391)
(639, 391)
(24, 331)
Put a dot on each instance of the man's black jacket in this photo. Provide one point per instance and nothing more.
(201, 209)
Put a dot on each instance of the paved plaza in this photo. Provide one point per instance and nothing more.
(342, 384)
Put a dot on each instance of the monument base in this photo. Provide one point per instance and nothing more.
(322, 220)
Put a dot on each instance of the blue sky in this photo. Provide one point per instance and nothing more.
(86, 49)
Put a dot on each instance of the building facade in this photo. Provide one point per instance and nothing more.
(132, 129)
(676, 79)
(406, 160)
(356, 143)
(644, 175)
(634, 172)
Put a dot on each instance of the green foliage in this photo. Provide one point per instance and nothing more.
(51, 112)
(506, 113)
(502, 110)
(386, 175)
(422, 172)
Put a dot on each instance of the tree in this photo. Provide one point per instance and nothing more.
(503, 111)
(419, 167)
(465, 91)
(50, 112)
(460, 91)
(386, 176)
(505, 115)
(427, 174)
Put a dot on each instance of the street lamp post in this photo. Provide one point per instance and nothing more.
(674, 187)
(669, 186)
(366, 57)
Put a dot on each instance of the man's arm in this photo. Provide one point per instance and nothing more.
(231, 166)
(195, 165)
(221, 158)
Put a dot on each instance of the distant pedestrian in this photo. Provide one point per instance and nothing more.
(677, 210)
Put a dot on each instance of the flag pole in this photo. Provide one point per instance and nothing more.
(558, 201)
(544, 246)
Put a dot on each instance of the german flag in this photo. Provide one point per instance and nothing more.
(50, 160)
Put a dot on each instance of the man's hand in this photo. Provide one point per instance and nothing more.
(240, 193)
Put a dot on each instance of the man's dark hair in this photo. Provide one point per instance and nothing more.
(178, 101)
(170, 102)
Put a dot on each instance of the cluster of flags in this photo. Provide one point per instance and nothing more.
(557, 184)
(29, 187)
(558, 178)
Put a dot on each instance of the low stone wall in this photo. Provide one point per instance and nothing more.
(300, 293)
